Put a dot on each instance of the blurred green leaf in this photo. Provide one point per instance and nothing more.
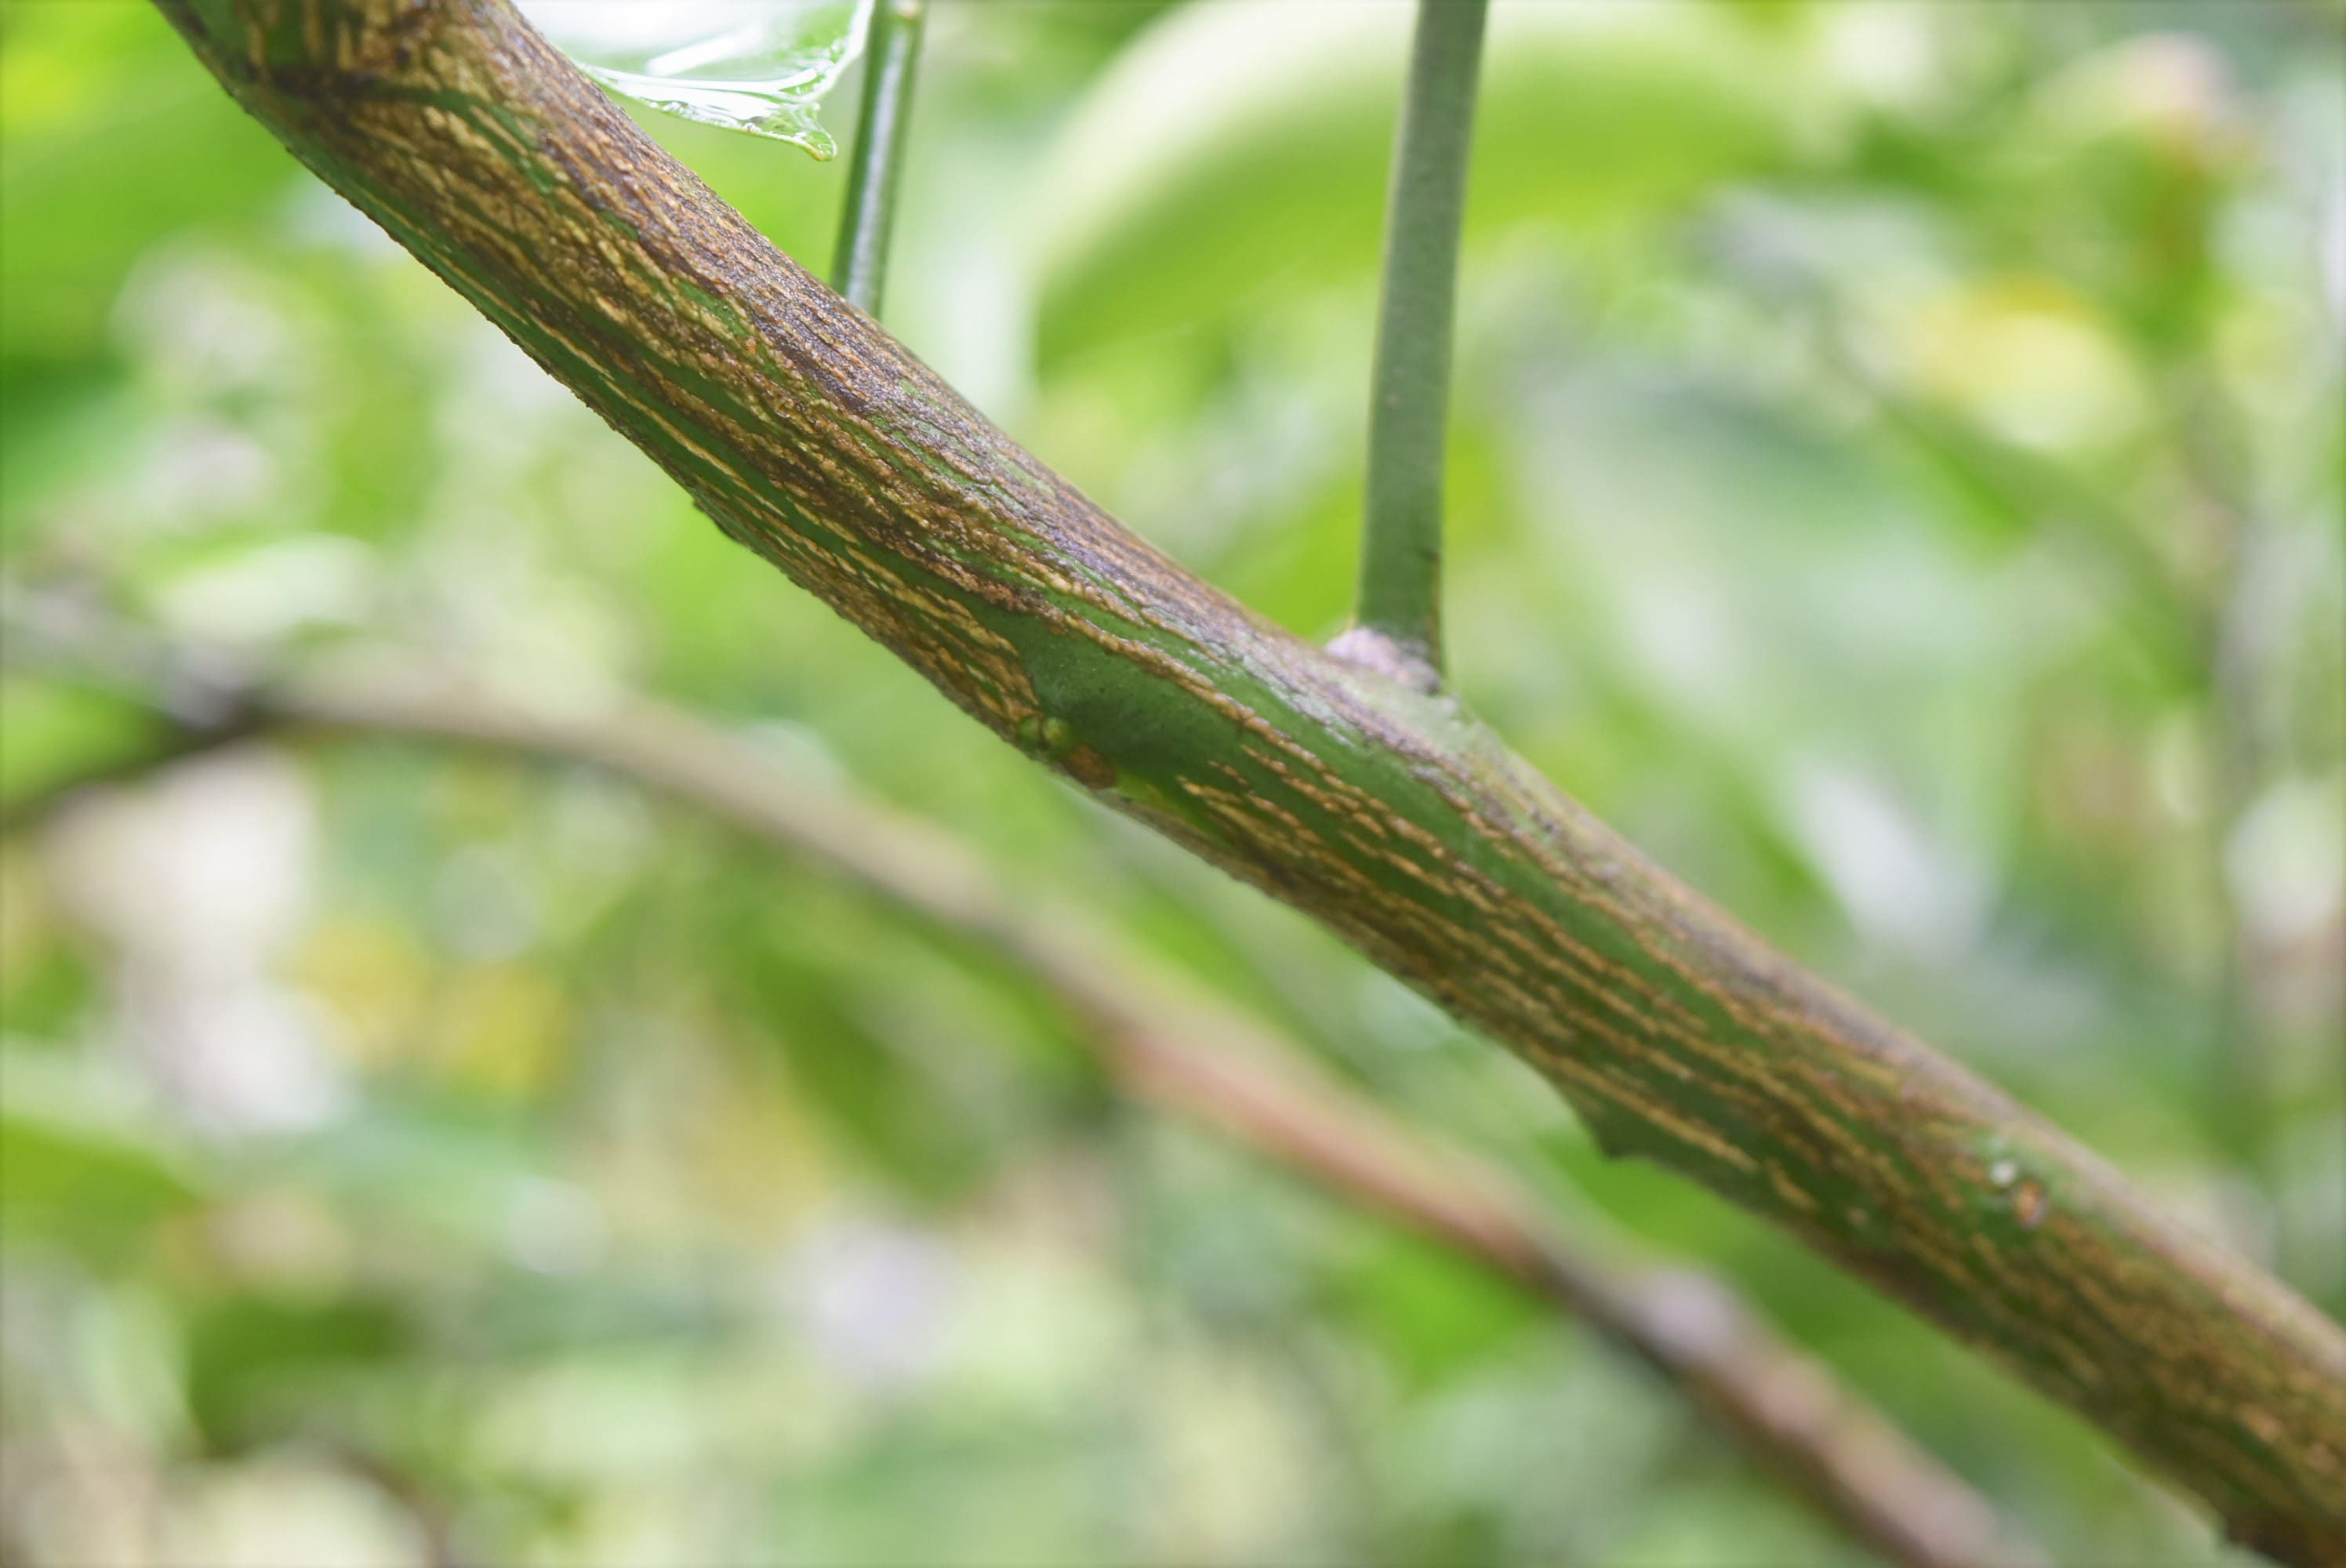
(78, 1170)
(1435, 1316)
(51, 733)
(1236, 150)
(112, 142)
(255, 1362)
(829, 984)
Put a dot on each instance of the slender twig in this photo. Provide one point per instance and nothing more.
(859, 265)
(1400, 546)
(1200, 1061)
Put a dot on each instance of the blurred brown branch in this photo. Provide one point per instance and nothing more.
(1162, 1043)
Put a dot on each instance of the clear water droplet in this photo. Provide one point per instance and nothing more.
(757, 66)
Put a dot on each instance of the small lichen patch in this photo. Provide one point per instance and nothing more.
(1373, 650)
(1088, 767)
(1049, 737)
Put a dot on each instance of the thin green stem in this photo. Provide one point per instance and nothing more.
(859, 265)
(1401, 553)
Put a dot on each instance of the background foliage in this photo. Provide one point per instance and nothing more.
(1897, 480)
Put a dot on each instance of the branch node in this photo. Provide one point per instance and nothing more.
(1388, 655)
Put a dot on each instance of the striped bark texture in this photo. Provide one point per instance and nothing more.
(1389, 815)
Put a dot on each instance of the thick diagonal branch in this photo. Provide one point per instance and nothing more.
(1394, 819)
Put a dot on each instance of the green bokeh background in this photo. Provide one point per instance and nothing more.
(1897, 463)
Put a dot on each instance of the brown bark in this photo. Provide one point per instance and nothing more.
(1390, 816)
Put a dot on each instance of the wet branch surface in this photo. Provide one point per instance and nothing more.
(1390, 816)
